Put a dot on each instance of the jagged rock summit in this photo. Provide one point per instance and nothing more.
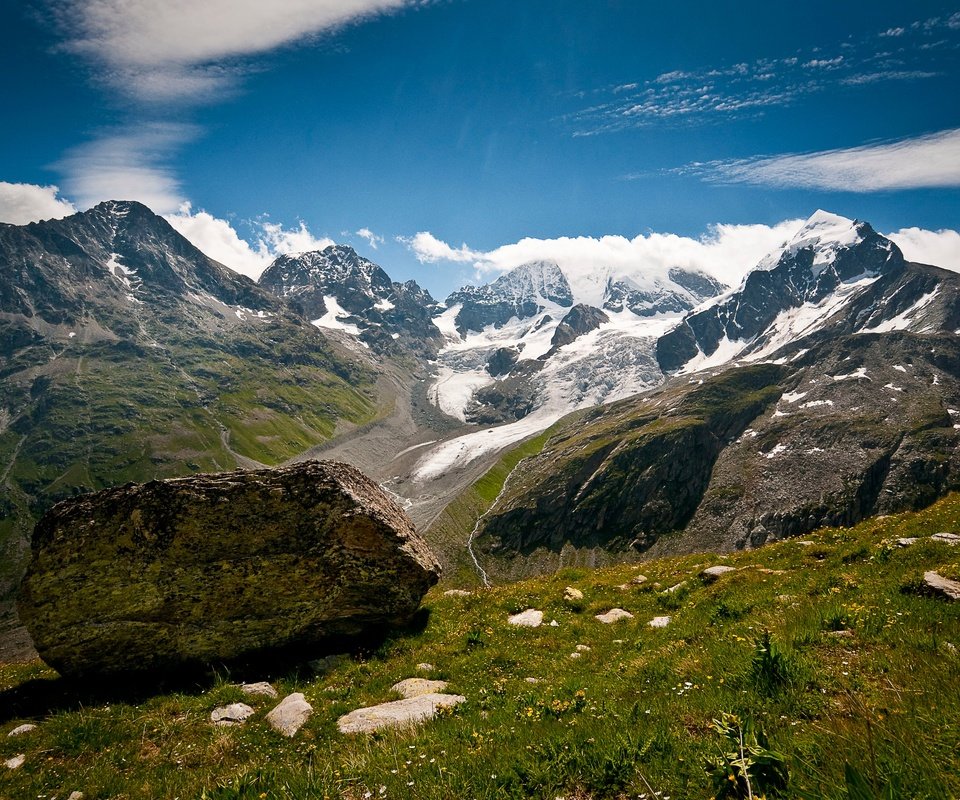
(210, 568)
(338, 289)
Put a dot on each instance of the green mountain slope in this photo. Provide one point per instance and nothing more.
(824, 647)
(126, 355)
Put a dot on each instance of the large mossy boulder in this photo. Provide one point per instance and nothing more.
(211, 568)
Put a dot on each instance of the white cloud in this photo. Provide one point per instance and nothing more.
(166, 50)
(372, 239)
(429, 249)
(923, 162)
(21, 203)
(283, 241)
(940, 248)
(726, 252)
(218, 239)
(128, 164)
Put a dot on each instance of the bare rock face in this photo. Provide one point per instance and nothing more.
(209, 568)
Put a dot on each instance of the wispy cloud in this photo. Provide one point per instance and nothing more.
(182, 50)
(371, 238)
(21, 203)
(128, 164)
(924, 162)
(914, 52)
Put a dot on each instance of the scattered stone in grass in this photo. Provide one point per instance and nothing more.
(233, 714)
(675, 588)
(614, 615)
(946, 538)
(768, 571)
(710, 574)
(531, 618)
(424, 667)
(532, 680)
(659, 622)
(906, 541)
(619, 641)
(576, 655)
(399, 713)
(939, 586)
(414, 687)
(290, 715)
(583, 648)
(786, 598)
(22, 729)
(636, 580)
(327, 663)
(572, 595)
(457, 593)
(844, 634)
(259, 689)
(16, 762)
(805, 543)
(554, 624)
(75, 796)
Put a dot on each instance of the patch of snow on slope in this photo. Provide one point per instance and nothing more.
(780, 448)
(792, 397)
(904, 319)
(465, 449)
(727, 350)
(795, 323)
(855, 375)
(332, 319)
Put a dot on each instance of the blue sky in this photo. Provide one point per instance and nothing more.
(445, 136)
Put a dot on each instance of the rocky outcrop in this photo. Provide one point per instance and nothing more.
(214, 567)
(578, 320)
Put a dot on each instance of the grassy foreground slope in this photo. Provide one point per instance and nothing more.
(872, 712)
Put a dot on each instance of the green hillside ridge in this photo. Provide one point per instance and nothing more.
(824, 648)
(97, 416)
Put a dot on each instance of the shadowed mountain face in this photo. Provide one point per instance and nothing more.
(854, 426)
(127, 354)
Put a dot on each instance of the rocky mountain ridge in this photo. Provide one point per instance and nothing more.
(337, 289)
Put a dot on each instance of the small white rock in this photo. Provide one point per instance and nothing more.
(75, 796)
(260, 689)
(614, 615)
(531, 618)
(659, 622)
(906, 541)
(22, 729)
(583, 648)
(457, 593)
(554, 624)
(675, 588)
(572, 595)
(16, 762)
(424, 667)
(946, 538)
(576, 655)
(233, 714)
(414, 687)
(710, 574)
(290, 715)
(399, 713)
